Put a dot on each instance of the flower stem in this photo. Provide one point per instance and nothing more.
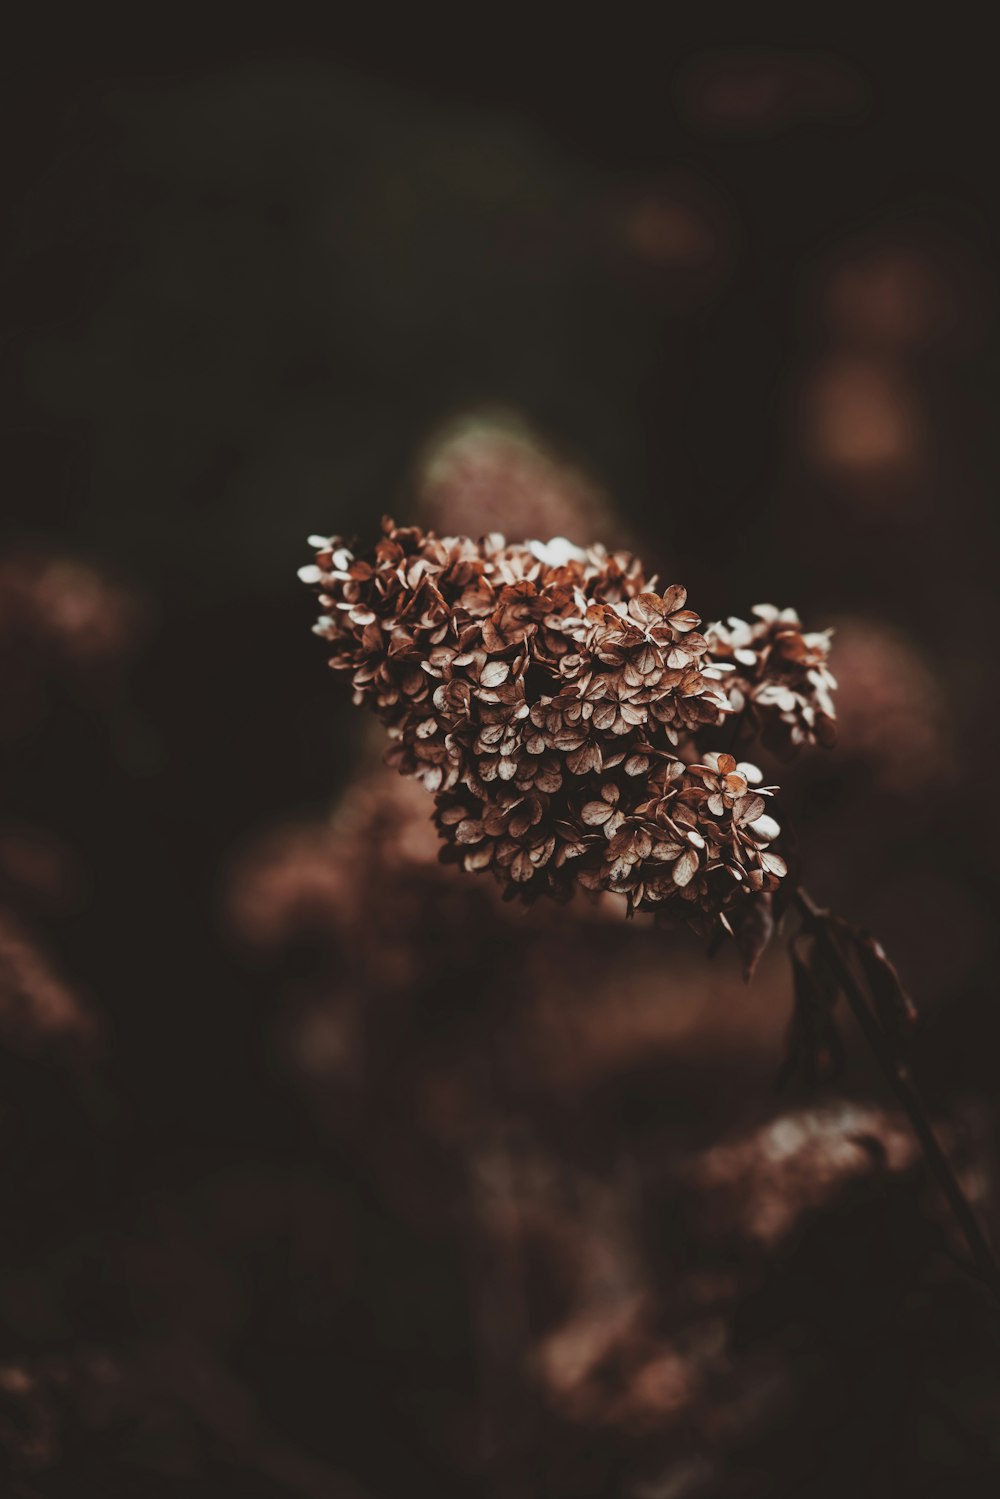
(817, 923)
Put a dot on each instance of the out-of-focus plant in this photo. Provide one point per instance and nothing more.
(61, 622)
(577, 728)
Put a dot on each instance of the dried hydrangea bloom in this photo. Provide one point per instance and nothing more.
(543, 693)
(891, 708)
(485, 471)
(678, 1326)
(737, 1207)
(780, 673)
(525, 684)
(757, 1187)
(356, 878)
(861, 421)
(66, 608)
(649, 837)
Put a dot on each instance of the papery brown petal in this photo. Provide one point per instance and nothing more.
(595, 814)
(494, 673)
(749, 808)
(452, 815)
(684, 620)
(585, 759)
(764, 829)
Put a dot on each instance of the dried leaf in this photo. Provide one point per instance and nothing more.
(814, 1050)
(893, 1006)
(752, 922)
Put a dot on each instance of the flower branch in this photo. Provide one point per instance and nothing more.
(884, 1012)
(557, 706)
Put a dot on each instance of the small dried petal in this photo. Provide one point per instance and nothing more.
(765, 829)
(493, 673)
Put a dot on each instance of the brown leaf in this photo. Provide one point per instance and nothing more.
(753, 927)
(814, 1050)
(894, 1007)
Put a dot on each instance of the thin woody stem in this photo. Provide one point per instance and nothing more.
(897, 1075)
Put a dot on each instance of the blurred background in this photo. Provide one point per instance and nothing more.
(323, 1173)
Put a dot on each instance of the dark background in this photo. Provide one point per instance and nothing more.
(245, 278)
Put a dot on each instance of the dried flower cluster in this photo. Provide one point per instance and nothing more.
(490, 470)
(627, 1355)
(552, 700)
(66, 609)
(781, 674)
(891, 710)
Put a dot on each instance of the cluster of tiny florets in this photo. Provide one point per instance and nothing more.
(780, 674)
(552, 700)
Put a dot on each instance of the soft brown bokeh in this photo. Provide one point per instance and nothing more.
(324, 1171)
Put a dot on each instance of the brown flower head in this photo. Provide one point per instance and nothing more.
(489, 468)
(549, 697)
(891, 708)
(780, 674)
